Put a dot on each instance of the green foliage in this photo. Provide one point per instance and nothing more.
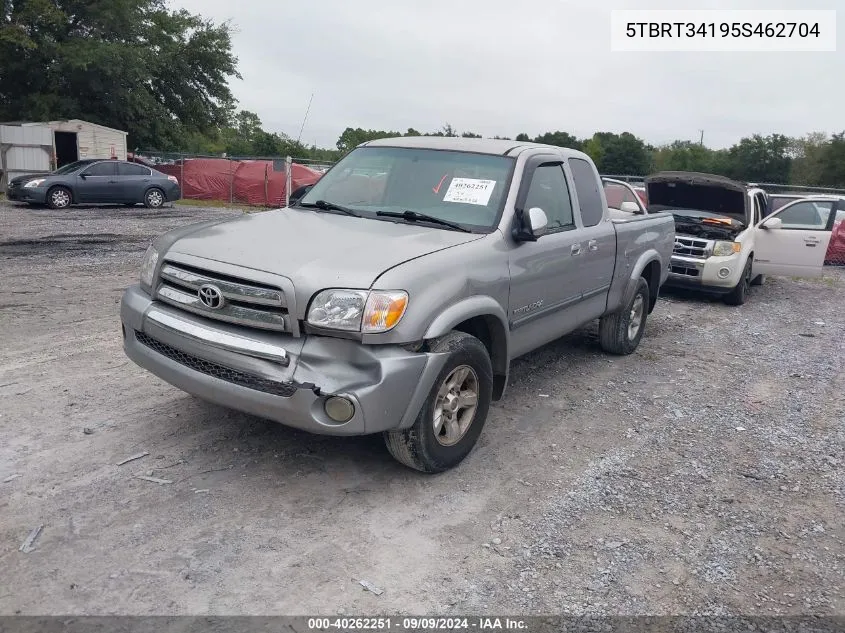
(135, 65)
(560, 139)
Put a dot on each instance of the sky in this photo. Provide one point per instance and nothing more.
(501, 67)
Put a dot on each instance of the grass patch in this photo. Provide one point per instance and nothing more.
(219, 204)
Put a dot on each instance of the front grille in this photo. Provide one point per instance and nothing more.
(244, 302)
(691, 247)
(684, 270)
(284, 389)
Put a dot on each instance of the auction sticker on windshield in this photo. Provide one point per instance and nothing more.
(470, 191)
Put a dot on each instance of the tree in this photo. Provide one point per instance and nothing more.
(351, 138)
(683, 156)
(560, 139)
(622, 154)
(470, 135)
(522, 137)
(761, 158)
(134, 65)
(833, 162)
(808, 159)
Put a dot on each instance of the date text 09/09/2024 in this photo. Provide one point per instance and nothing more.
(416, 624)
(722, 29)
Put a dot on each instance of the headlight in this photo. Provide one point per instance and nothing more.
(725, 249)
(35, 183)
(148, 267)
(358, 310)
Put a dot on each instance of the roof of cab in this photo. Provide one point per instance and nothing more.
(461, 144)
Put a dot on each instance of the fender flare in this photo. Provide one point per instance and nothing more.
(643, 261)
(468, 308)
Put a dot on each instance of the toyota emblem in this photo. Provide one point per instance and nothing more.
(211, 296)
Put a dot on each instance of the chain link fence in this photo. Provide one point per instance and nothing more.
(259, 181)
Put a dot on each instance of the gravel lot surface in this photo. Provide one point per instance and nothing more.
(701, 475)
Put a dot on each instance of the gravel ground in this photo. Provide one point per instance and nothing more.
(701, 475)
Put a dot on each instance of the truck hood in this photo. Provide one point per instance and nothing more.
(315, 248)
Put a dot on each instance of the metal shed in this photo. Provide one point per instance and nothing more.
(29, 148)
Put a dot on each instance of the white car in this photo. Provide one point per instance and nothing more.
(724, 242)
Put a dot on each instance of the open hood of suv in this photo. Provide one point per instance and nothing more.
(677, 190)
(312, 247)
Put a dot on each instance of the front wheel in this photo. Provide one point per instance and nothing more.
(154, 199)
(739, 294)
(450, 422)
(59, 198)
(620, 332)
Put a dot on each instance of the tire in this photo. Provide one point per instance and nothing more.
(154, 198)
(434, 443)
(59, 198)
(620, 333)
(739, 294)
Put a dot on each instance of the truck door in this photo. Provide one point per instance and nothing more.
(545, 284)
(598, 240)
(793, 240)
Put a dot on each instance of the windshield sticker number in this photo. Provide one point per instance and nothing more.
(470, 191)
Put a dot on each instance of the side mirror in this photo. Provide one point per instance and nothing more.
(538, 221)
(772, 223)
(631, 207)
(83, 176)
(297, 195)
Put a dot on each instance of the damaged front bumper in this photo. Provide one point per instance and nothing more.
(277, 376)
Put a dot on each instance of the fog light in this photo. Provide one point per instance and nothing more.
(724, 272)
(339, 409)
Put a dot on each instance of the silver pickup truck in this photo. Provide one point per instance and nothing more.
(392, 297)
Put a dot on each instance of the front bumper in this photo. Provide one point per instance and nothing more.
(35, 195)
(173, 193)
(276, 376)
(703, 274)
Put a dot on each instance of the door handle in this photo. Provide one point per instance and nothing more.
(576, 249)
(593, 245)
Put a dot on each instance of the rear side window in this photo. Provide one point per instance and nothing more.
(101, 169)
(549, 191)
(587, 188)
(128, 169)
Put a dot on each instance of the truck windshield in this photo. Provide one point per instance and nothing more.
(461, 188)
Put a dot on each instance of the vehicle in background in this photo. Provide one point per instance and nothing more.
(394, 295)
(835, 255)
(623, 200)
(724, 243)
(776, 200)
(96, 182)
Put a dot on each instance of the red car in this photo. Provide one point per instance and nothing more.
(836, 248)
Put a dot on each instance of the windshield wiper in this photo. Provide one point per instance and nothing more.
(413, 216)
(330, 206)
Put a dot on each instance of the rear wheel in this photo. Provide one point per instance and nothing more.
(450, 422)
(620, 332)
(154, 198)
(59, 198)
(739, 294)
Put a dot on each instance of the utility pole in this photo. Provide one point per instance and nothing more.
(701, 141)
